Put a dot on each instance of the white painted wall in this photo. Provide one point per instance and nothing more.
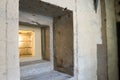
(89, 35)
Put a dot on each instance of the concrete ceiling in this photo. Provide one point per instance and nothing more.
(43, 8)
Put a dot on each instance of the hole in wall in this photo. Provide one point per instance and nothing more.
(56, 47)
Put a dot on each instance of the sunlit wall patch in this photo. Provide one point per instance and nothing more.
(26, 43)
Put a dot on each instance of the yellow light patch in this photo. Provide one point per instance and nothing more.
(26, 43)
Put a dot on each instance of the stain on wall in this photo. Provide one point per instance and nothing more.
(63, 43)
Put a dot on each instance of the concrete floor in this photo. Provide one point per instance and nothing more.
(40, 70)
(51, 75)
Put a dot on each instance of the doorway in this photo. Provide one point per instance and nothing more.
(56, 40)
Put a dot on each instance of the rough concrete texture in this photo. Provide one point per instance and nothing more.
(111, 40)
(51, 75)
(102, 67)
(3, 42)
(87, 34)
(8, 40)
(63, 43)
(34, 68)
(33, 17)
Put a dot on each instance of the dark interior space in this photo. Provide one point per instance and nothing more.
(118, 41)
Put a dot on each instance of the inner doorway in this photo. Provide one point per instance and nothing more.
(34, 42)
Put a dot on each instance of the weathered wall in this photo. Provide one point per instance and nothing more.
(3, 42)
(32, 18)
(63, 43)
(9, 56)
(102, 66)
(87, 34)
(111, 40)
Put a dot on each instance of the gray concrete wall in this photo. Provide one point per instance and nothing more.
(102, 67)
(63, 43)
(9, 56)
(111, 40)
(87, 34)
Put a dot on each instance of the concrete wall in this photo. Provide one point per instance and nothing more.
(87, 34)
(9, 56)
(32, 17)
(111, 40)
(63, 43)
(38, 49)
(102, 67)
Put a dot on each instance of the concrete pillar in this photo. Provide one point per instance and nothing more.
(9, 57)
(3, 62)
(111, 40)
